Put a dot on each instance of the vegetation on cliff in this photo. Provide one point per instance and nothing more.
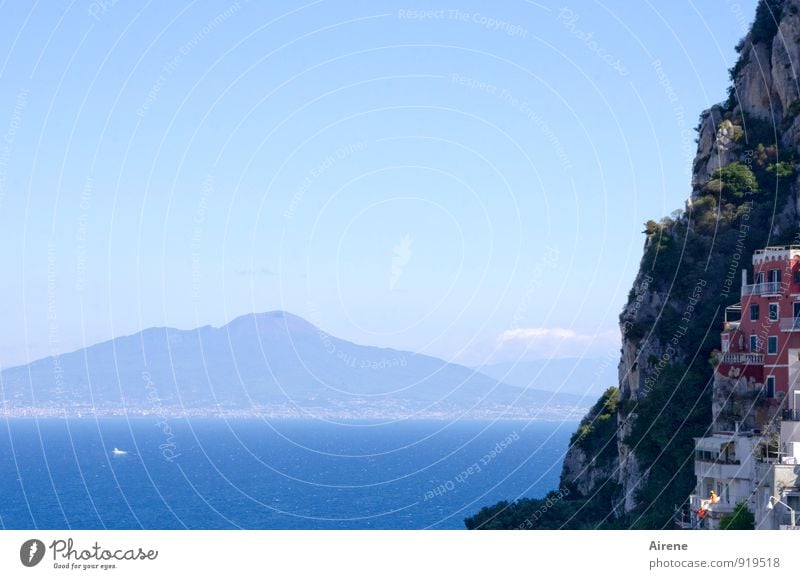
(567, 507)
(692, 261)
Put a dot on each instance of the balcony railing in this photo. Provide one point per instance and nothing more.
(790, 324)
(774, 248)
(719, 460)
(743, 359)
(766, 288)
(714, 510)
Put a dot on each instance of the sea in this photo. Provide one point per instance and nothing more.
(215, 473)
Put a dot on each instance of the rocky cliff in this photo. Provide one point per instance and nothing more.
(743, 196)
(756, 131)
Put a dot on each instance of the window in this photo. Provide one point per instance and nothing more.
(773, 312)
(760, 277)
(770, 386)
(797, 276)
(775, 276)
(706, 456)
(754, 343)
(728, 453)
(772, 345)
(754, 312)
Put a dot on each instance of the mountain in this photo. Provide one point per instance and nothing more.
(630, 464)
(272, 364)
(582, 376)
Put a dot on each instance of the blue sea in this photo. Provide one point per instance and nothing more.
(209, 473)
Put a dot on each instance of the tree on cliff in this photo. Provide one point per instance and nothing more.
(744, 197)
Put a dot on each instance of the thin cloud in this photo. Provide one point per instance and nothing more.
(554, 342)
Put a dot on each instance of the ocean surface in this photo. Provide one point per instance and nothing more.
(279, 474)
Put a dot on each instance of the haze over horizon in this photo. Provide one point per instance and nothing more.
(272, 365)
(461, 183)
(587, 376)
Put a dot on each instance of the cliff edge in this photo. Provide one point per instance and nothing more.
(743, 196)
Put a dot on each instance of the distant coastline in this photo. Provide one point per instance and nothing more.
(545, 414)
(280, 366)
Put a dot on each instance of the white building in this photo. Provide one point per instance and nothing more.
(757, 385)
(758, 468)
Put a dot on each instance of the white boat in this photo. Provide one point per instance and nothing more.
(118, 451)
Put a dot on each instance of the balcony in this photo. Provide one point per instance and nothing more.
(720, 470)
(770, 288)
(790, 324)
(733, 315)
(714, 510)
(787, 251)
(743, 359)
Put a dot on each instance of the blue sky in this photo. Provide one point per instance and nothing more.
(466, 179)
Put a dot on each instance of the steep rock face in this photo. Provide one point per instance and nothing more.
(739, 403)
(637, 353)
(744, 196)
(766, 78)
(579, 468)
(786, 57)
(764, 103)
(592, 459)
(712, 154)
(754, 87)
(629, 475)
(584, 472)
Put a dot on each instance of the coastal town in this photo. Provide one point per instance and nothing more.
(751, 458)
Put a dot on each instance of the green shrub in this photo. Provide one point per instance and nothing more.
(734, 181)
(765, 25)
(741, 519)
(651, 227)
(782, 169)
(597, 432)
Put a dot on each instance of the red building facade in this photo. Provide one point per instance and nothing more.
(761, 336)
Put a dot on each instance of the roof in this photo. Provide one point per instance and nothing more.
(712, 443)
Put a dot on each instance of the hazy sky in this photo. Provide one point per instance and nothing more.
(467, 179)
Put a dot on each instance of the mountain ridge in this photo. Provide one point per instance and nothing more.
(270, 363)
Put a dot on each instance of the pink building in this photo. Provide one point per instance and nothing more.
(761, 337)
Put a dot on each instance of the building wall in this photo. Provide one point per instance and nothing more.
(790, 432)
(777, 364)
(732, 483)
(757, 480)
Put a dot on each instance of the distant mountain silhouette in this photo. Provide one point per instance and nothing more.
(271, 362)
